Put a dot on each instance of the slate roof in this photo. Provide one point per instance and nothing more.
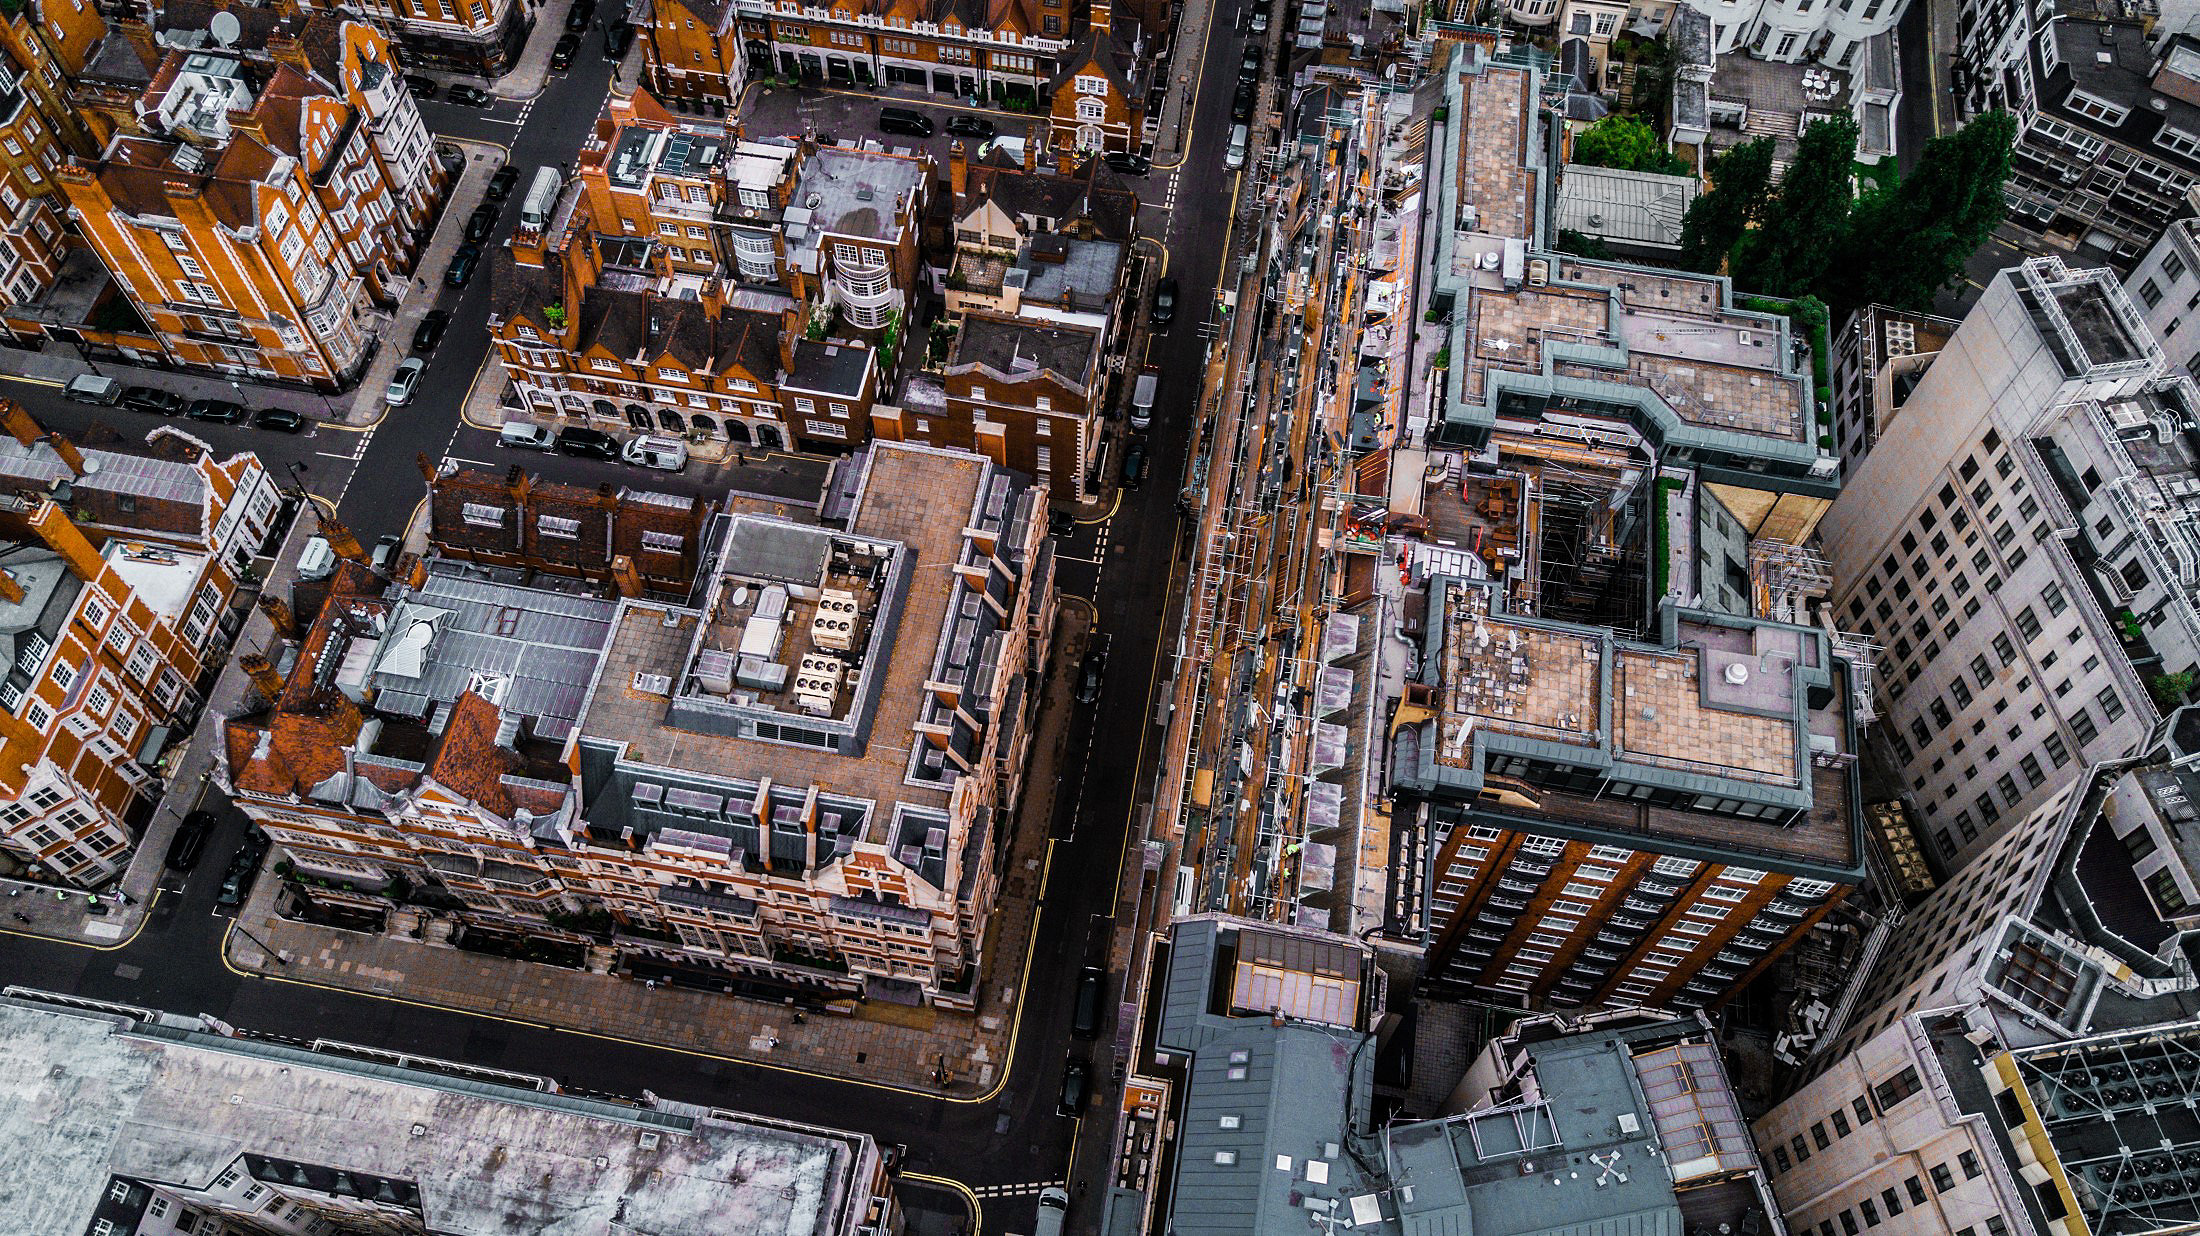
(1016, 347)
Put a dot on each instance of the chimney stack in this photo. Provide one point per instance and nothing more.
(20, 424)
(625, 577)
(1031, 149)
(10, 591)
(62, 536)
(790, 330)
(278, 613)
(70, 457)
(958, 170)
(264, 678)
(427, 468)
(340, 539)
(517, 485)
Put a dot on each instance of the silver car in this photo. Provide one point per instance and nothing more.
(405, 383)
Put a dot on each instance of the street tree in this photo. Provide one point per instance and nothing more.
(1906, 242)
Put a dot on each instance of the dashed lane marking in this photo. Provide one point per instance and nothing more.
(1027, 1189)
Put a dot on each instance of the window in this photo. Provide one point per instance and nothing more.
(1897, 1088)
(1840, 1123)
(1969, 1162)
(1818, 1135)
(2112, 704)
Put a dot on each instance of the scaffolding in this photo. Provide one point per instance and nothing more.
(1785, 578)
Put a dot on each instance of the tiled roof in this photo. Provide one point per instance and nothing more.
(469, 761)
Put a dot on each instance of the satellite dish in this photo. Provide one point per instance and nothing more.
(225, 28)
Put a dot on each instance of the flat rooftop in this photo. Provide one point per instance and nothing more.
(1728, 707)
(1493, 122)
(852, 192)
(163, 577)
(643, 151)
(915, 501)
(90, 1097)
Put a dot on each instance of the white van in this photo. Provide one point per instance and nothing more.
(1235, 159)
(1142, 398)
(317, 560)
(93, 388)
(655, 451)
(1053, 1205)
(527, 437)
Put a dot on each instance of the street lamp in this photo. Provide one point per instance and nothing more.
(297, 472)
(265, 947)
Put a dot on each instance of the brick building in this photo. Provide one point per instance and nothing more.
(268, 202)
(971, 49)
(629, 539)
(109, 622)
(42, 43)
(478, 37)
(1025, 393)
(803, 780)
(693, 282)
(1099, 89)
(1052, 246)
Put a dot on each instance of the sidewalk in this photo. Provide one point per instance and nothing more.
(1190, 39)
(73, 920)
(882, 1044)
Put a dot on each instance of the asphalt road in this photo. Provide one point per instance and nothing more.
(1120, 563)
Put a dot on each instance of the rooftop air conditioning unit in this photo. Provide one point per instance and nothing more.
(833, 627)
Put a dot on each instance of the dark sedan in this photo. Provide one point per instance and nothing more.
(578, 17)
(480, 223)
(146, 399)
(282, 420)
(470, 96)
(190, 840)
(430, 331)
(562, 53)
(461, 270)
(500, 185)
(421, 87)
(970, 126)
(1128, 164)
(219, 411)
(1164, 304)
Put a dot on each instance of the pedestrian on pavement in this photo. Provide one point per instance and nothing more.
(21, 917)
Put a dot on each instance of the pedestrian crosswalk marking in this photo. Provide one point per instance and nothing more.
(1028, 1189)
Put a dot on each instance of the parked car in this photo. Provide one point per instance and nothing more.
(93, 388)
(480, 223)
(1260, 23)
(385, 552)
(1144, 394)
(219, 411)
(527, 437)
(1076, 1080)
(146, 399)
(190, 840)
(421, 87)
(617, 39)
(1164, 304)
(405, 383)
(1127, 163)
(430, 331)
(1243, 99)
(578, 17)
(1061, 525)
(1134, 465)
(461, 270)
(1091, 672)
(563, 51)
(904, 121)
(1053, 1208)
(965, 125)
(281, 419)
(1250, 66)
(469, 96)
(1092, 985)
(587, 443)
(234, 885)
(500, 185)
(1234, 157)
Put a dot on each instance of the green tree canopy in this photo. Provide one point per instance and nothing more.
(1812, 212)
(1907, 242)
(1628, 144)
(1741, 179)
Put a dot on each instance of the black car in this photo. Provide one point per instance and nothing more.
(562, 52)
(1241, 102)
(1164, 304)
(1092, 985)
(480, 223)
(1090, 674)
(219, 411)
(430, 331)
(190, 840)
(500, 185)
(1127, 163)
(962, 125)
(1134, 464)
(461, 270)
(578, 17)
(146, 399)
(1076, 1081)
(1061, 525)
(1249, 68)
(904, 121)
(282, 419)
(617, 38)
(470, 96)
(421, 87)
(587, 443)
(234, 885)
